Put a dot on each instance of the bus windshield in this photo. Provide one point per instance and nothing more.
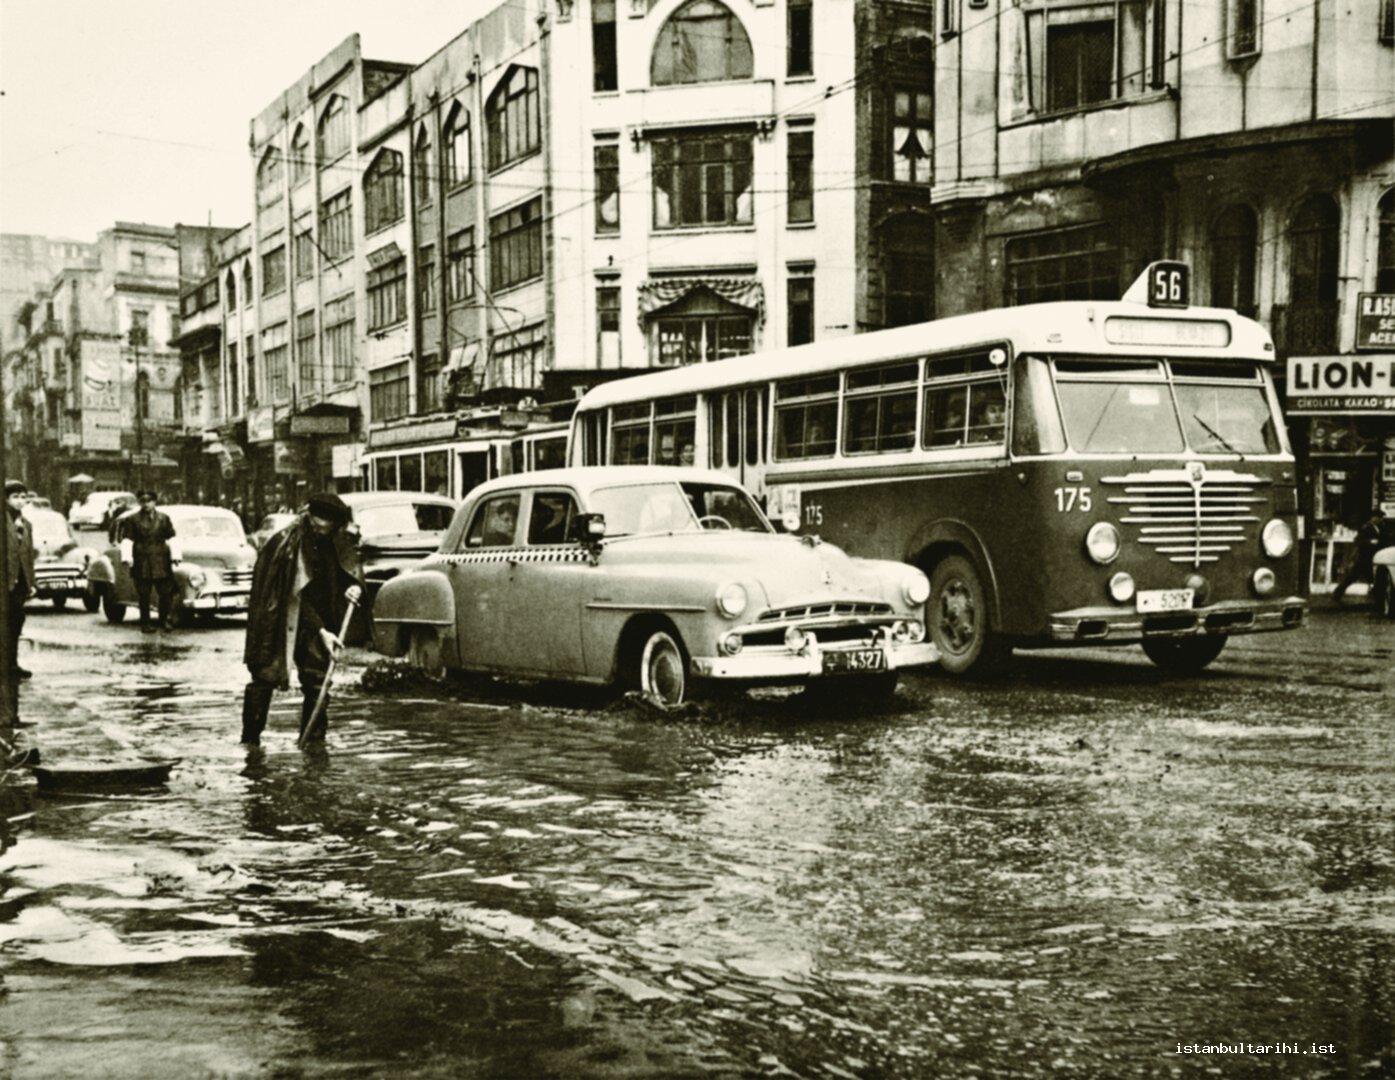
(1160, 407)
(666, 507)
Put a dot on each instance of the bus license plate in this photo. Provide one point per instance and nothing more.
(1165, 599)
(854, 660)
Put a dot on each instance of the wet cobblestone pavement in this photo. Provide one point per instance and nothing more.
(1066, 872)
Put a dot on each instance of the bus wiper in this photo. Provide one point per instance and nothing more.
(1217, 435)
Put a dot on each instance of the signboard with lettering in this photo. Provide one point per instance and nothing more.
(1348, 384)
(319, 425)
(430, 431)
(101, 395)
(1375, 322)
(261, 424)
(343, 458)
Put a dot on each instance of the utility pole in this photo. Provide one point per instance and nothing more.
(9, 681)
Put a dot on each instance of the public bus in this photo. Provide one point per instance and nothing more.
(453, 469)
(1070, 473)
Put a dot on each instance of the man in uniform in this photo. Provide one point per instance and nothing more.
(299, 595)
(150, 531)
(19, 573)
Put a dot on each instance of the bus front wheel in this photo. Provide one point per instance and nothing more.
(1183, 656)
(957, 615)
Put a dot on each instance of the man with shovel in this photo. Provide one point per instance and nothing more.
(305, 580)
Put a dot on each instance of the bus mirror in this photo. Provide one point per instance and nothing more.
(590, 528)
(997, 357)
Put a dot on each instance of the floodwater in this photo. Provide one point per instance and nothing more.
(1068, 872)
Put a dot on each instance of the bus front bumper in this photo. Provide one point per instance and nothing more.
(1121, 625)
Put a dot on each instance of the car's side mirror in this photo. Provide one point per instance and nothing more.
(589, 528)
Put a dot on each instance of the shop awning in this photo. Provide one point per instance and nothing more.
(657, 294)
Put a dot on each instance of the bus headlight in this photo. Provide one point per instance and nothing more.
(916, 590)
(1277, 539)
(1102, 542)
(1264, 581)
(731, 599)
(1121, 587)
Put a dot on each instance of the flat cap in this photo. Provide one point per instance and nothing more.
(15, 487)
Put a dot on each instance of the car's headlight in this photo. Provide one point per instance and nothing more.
(197, 578)
(916, 590)
(1102, 542)
(1277, 539)
(732, 599)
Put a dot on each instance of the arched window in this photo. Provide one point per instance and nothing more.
(143, 395)
(382, 191)
(701, 42)
(232, 290)
(511, 116)
(247, 284)
(1308, 326)
(455, 146)
(421, 166)
(269, 177)
(1385, 252)
(1234, 245)
(300, 155)
(332, 138)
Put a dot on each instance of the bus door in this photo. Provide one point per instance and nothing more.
(474, 469)
(737, 436)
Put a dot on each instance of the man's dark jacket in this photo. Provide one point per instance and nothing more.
(280, 576)
(21, 551)
(150, 535)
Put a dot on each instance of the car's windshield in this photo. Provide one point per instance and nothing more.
(206, 526)
(670, 507)
(400, 519)
(49, 527)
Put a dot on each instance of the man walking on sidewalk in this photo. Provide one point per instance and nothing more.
(1368, 542)
(297, 603)
(152, 566)
(19, 573)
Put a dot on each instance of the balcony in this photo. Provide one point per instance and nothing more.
(1306, 329)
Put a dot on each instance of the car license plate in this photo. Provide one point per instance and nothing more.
(854, 660)
(1165, 599)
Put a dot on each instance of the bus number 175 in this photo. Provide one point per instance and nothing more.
(1073, 498)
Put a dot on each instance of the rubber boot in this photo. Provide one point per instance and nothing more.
(256, 703)
(307, 706)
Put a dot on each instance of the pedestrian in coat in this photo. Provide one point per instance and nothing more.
(152, 566)
(299, 596)
(19, 571)
(1360, 566)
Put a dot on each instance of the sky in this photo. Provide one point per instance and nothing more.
(138, 110)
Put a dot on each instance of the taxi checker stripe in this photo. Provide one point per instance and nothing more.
(511, 555)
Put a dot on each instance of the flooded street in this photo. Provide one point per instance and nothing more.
(1068, 872)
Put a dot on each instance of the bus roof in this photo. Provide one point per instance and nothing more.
(1064, 327)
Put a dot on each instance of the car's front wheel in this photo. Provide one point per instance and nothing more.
(663, 671)
(91, 600)
(111, 608)
(1385, 592)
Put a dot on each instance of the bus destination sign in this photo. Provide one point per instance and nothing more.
(1169, 284)
(1375, 322)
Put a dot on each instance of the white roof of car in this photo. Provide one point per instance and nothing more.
(585, 479)
(385, 498)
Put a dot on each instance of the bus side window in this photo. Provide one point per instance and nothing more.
(716, 439)
(754, 409)
(1036, 423)
(733, 401)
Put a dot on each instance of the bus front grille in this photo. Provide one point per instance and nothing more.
(1193, 515)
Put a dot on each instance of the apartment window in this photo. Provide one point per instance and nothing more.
(276, 358)
(1242, 28)
(389, 389)
(338, 334)
(304, 255)
(702, 180)
(1314, 240)
(455, 146)
(139, 334)
(1080, 63)
(1078, 55)
(460, 250)
(1385, 252)
(907, 270)
(337, 226)
(603, 56)
(800, 152)
(515, 245)
(799, 16)
(1387, 22)
(269, 177)
(247, 284)
(249, 356)
(234, 399)
(800, 310)
(421, 167)
(949, 18)
(606, 157)
(511, 117)
(912, 134)
(300, 156)
(1078, 263)
(697, 338)
(806, 418)
(608, 326)
(879, 408)
(382, 191)
(230, 286)
(143, 395)
(387, 294)
(701, 42)
(426, 279)
(518, 357)
(332, 137)
(137, 262)
(274, 270)
(1234, 245)
(307, 362)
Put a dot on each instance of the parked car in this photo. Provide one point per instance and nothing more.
(118, 508)
(1383, 581)
(396, 530)
(656, 578)
(91, 513)
(213, 571)
(60, 562)
(270, 526)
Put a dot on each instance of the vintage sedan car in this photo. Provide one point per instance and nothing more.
(212, 571)
(658, 578)
(1383, 581)
(60, 562)
(91, 513)
(394, 530)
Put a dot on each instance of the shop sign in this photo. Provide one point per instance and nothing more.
(1375, 321)
(431, 431)
(261, 424)
(343, 459)
(319, 425)
(101, 395)
(1348, 384)
(284, 461)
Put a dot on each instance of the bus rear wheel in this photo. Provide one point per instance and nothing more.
(1183, 656)
(957, 615)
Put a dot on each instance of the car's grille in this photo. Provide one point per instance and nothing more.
(836, 610)
(237, 577)
(56, 573)
(1193, 515)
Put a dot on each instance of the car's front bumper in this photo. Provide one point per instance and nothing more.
(1122, 625)
(222, 600)
(50, 583)
(772, 663)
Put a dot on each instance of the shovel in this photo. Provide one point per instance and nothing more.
(312, 726)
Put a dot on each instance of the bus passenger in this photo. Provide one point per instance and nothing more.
(988, 420)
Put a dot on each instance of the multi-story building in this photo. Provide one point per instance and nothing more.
(1252, 138)
(27, 266)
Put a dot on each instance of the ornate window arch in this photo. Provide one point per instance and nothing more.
(382, 191)
(511, 117)
(231, 286)
(269, 176)
(1314, 236)
(332, 134)
(1233, 242)
(300, 155)
(456, 163)
(1385, 249)
(703, 41)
